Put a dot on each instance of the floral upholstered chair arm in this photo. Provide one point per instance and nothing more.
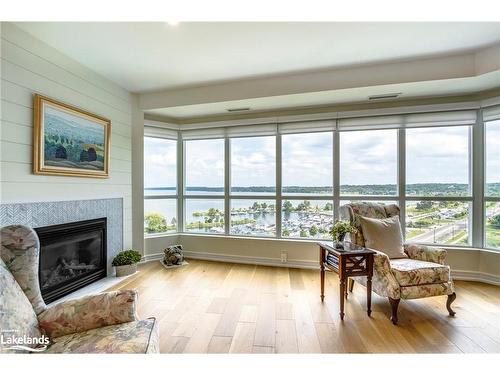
(384, 281)
(89, 312)
(425, 253)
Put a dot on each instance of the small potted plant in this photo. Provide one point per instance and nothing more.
(126, 261)
(340, 229)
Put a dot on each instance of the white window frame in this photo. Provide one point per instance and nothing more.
(476, 199)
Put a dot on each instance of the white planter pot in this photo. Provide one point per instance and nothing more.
(126, 270)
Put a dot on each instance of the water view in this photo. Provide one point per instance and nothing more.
(434, 221)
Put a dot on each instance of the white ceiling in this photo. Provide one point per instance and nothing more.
(152, 56)
(322, 98)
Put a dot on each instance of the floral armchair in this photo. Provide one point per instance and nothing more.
(422, 274)
(100, 323)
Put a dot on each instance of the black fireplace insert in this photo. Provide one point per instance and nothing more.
(72, 255)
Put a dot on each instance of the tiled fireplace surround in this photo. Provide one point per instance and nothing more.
(40, 214)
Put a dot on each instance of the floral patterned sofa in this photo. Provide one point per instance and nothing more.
(101, 323)
(422, 274)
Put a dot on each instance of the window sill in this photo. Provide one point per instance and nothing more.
(305, 240)
(159, 235)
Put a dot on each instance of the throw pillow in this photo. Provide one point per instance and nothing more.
(383, 235)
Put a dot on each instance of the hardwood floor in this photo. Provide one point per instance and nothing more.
(211, 307)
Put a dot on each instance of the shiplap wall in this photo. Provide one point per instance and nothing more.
(29, 66)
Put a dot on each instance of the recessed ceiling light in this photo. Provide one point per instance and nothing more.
(392, 95)
(172, 23)
(238, 109)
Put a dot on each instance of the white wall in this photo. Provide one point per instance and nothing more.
(29, 66)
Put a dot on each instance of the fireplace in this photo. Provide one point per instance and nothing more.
(72, 256)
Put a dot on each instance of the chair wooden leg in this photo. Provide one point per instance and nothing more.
(351, 285)
(394, 310)
(451, 298)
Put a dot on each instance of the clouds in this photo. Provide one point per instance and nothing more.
(437, 155)
(205, 163)
(433, 155)
(253, 161)
(307, 159)
(160, 162)
(493, 152)
(368, 157)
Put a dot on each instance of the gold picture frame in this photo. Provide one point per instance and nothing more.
(68, 141)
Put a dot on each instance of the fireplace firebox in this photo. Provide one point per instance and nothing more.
(72, 255)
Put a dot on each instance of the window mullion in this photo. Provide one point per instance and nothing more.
(401, 157)
(278, 201)
(227, 183)
(180, 183)
(336, 174)
(476, 158)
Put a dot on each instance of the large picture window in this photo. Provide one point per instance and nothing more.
(368, 162)
(287, 180)
(437, 166)
(204, 216)
(204, 167)
(253, 166)
(492, 184)
(252, 217)
(437, 161)
(307, 164)
(160, 185)
(307, 218)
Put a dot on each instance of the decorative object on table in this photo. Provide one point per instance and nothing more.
(126, 261)
(173, 257)
(421, 273)
(68, 141)
(339, 230)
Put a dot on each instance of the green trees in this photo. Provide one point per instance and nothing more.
(328, 207)
(303, 233)
(424, 205)
(495, 221)
(304, 206)
(285, 233)
(287, 206)
(155, 223)
(313, 230)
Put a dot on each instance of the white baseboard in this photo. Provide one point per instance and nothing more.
(239, 259)
(483, 277)
(456, 274)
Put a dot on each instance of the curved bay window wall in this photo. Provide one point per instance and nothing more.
(288, 180)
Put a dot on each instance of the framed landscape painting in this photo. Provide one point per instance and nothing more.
(68, 141)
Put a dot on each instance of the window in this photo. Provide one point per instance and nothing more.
(253, 166)
(160, 216)
(368, 162)
(204, 216)
(229, 176)
(250, 217)
(160, 185)
(307, 218)
(437, 165)
(442, 222)
(204, 167)
(160, 166)
(437, 161)
(492, 184)
(307, 161)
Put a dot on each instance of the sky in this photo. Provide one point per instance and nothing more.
(367, 157)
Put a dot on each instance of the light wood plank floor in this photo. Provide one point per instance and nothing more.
(212, 307)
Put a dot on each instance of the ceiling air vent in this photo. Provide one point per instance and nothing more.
(392, 95)
(238, 109)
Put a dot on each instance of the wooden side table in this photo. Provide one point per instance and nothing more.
(349, 261)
